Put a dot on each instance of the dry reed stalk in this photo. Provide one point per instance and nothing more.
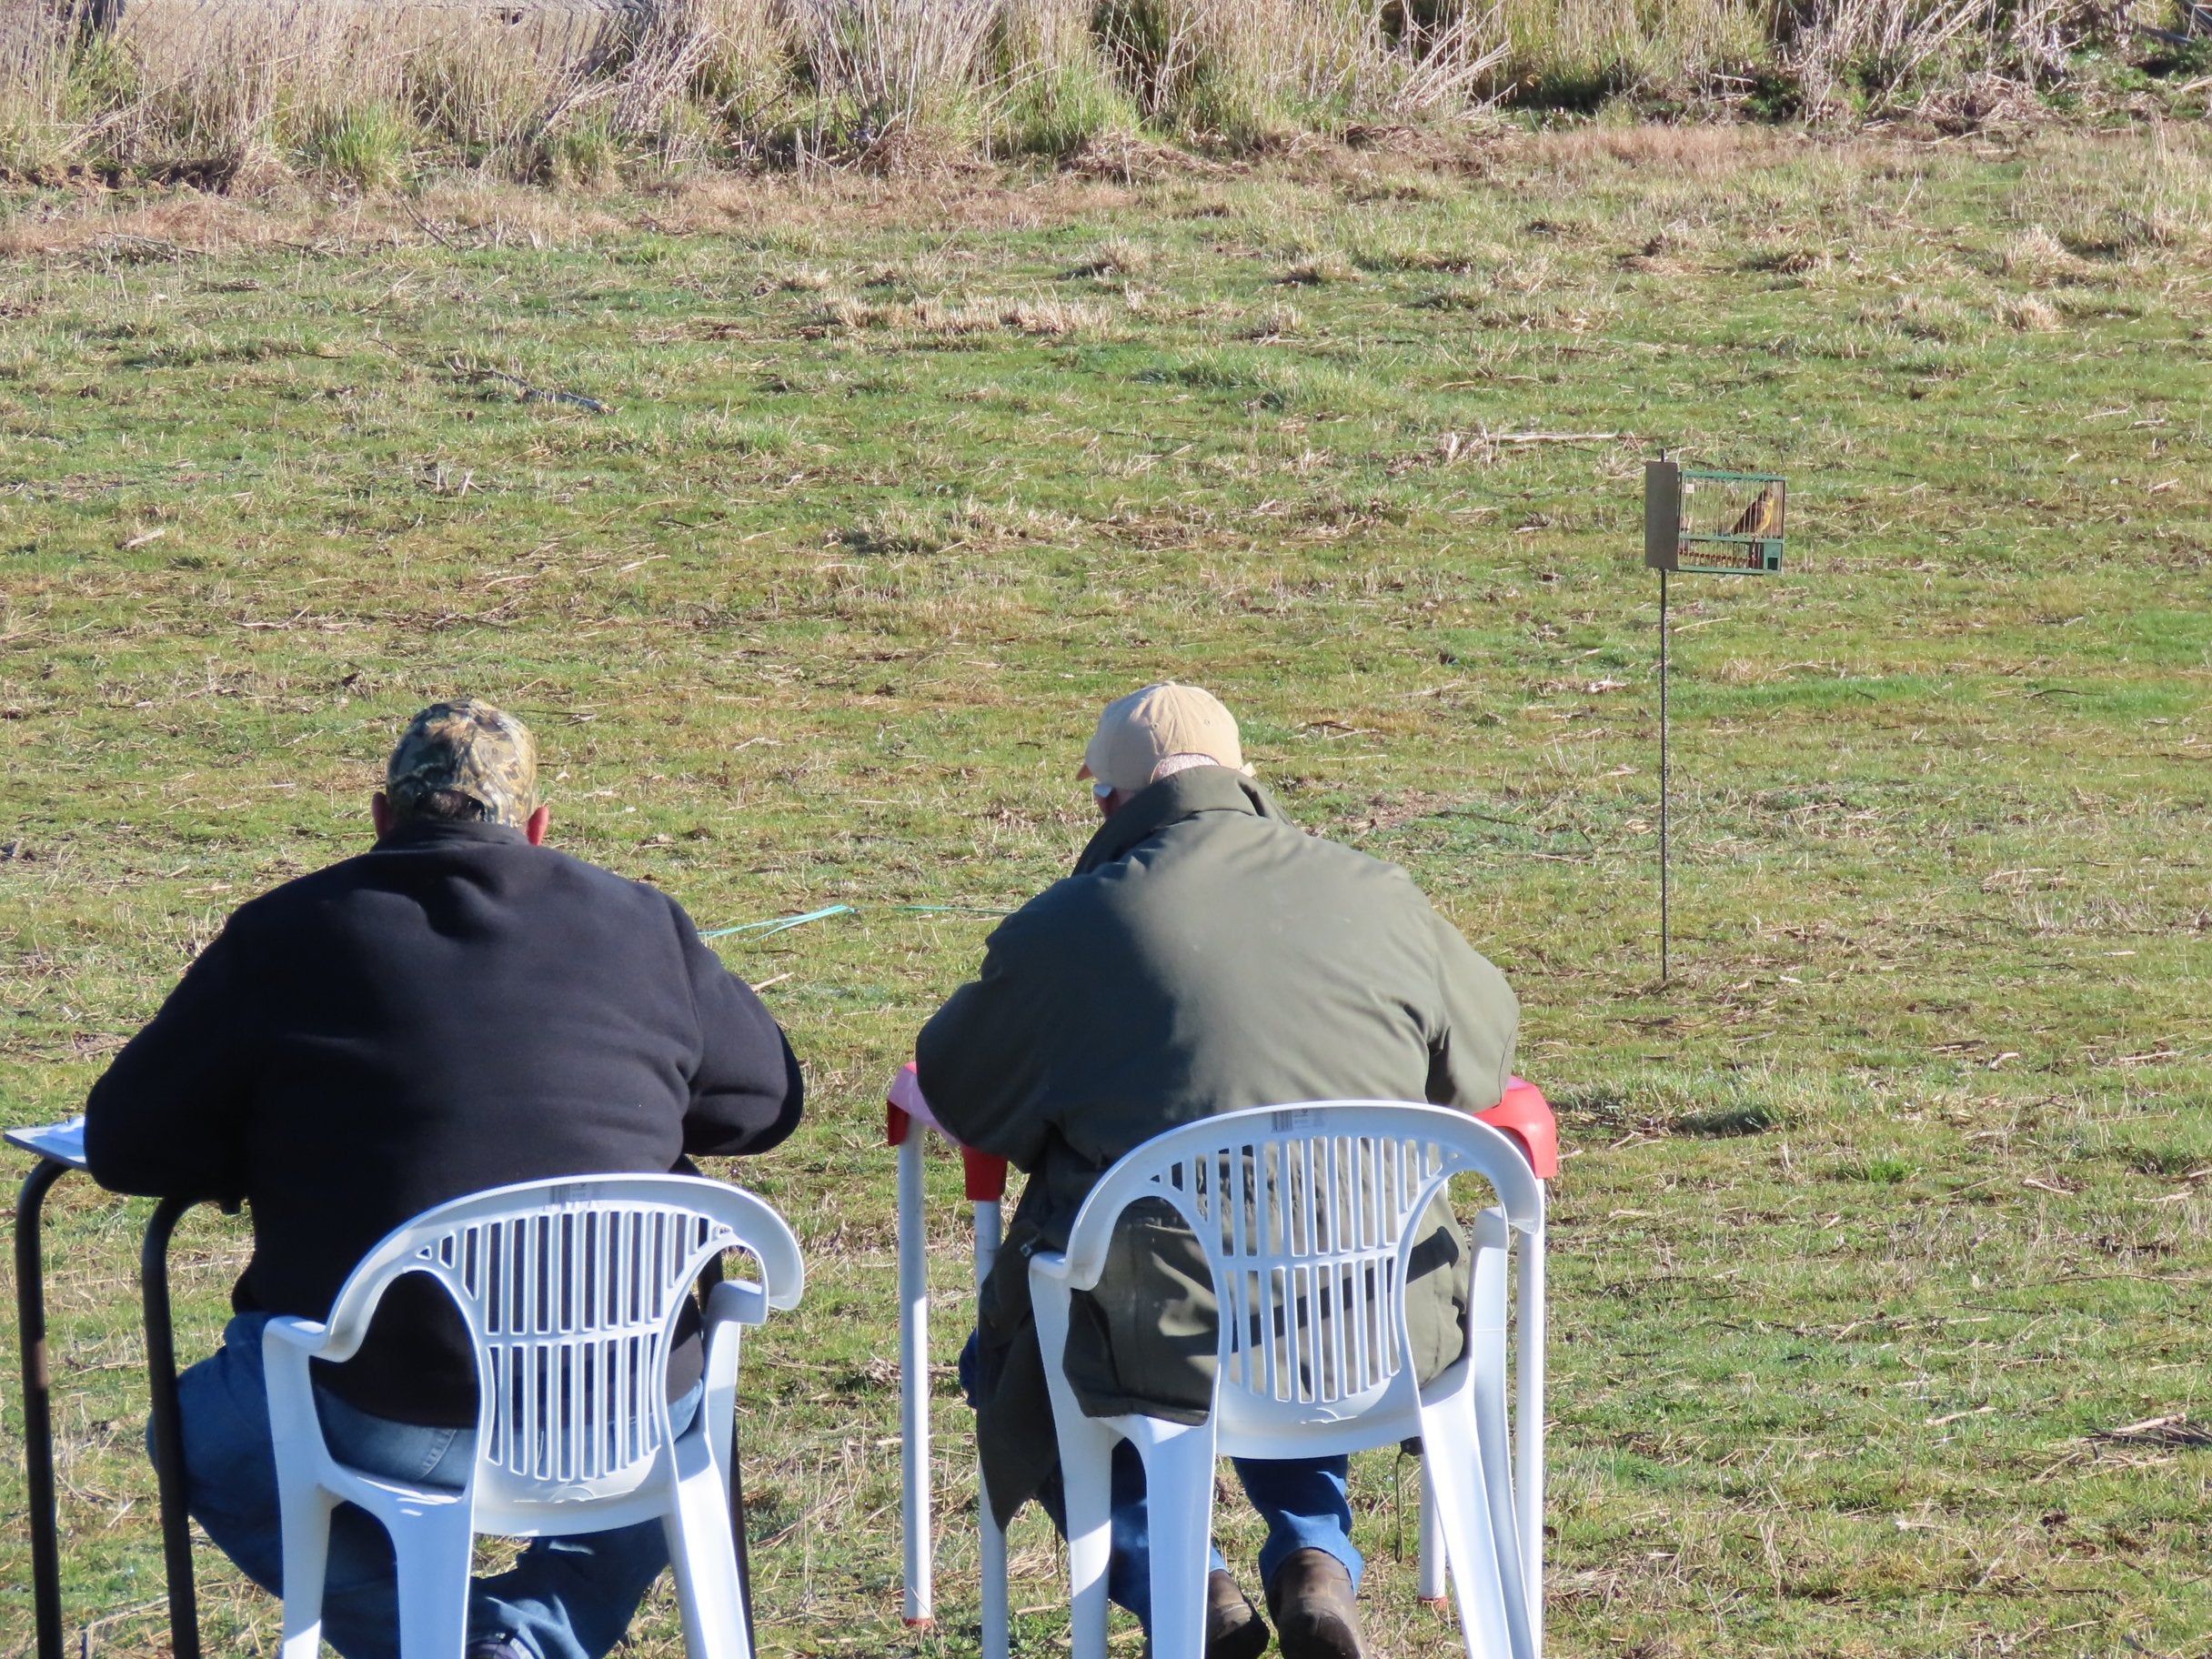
(373, 90)
(1433, 68)
(1577, 50)
(36, 49)
(1238, 69)
(663, 66)
(890, 68)
(746, 74)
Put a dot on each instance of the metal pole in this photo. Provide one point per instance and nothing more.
(167, 1426)
(914, 1378)
(1665, 781)
(737, 1536)
(989, 1231)
(38, 1406)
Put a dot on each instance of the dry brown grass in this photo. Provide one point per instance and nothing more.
(367, 94)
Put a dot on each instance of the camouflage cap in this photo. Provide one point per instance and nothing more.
(473, 749)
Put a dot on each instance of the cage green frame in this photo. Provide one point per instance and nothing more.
(1749, 512)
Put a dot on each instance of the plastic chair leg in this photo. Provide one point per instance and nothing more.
(1456, 1482)
(1485, 1408)
(1179, 1508)
(306, 1510)
(1086, 1466)
(1493, 1449)
(1429, 1577)
(704, 1556)
(996, 1623)
(432, 1549)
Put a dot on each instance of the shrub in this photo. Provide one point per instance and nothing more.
(368, 145)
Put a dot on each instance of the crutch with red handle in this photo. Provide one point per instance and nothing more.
(906, 1116)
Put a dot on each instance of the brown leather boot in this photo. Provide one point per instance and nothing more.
(1316, 1615)
(1235, 1629)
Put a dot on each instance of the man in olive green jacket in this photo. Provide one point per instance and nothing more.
(1207, 955)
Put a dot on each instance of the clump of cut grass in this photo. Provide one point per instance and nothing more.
(1047, 314)
(2168, 1163)
(2106, 207)
(1327, 265)
(1879, 1172)
(1117, 258)
(2031, 314)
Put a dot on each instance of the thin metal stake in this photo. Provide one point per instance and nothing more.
(1664, 781)
(38, 1408)
(169, 1477)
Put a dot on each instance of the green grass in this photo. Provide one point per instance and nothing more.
(1876, 1221)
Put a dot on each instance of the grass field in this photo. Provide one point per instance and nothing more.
(1884, 1227)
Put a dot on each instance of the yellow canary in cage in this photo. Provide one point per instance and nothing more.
(1762, 516)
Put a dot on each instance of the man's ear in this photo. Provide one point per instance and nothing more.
(380, 813)
(534, 829)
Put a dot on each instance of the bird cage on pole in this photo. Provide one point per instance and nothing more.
(1698, 522)
(1714, 523)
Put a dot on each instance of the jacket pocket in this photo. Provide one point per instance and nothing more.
(1146, 1338)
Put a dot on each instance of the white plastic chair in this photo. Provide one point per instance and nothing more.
(1307, 1214)
(571, 1290)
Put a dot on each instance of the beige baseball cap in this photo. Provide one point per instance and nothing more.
(1137, 732)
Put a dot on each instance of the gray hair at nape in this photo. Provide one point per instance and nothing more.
(1169, 765)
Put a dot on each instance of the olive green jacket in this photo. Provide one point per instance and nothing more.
(1207, 955)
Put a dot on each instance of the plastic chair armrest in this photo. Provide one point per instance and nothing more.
(736, 1300)
(1054, 1265)
(306, 1334)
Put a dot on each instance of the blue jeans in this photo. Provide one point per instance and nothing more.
(565, 1598)
(1303, 1500)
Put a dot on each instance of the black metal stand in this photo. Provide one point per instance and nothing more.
(1665, 777)
(38, 1405)
(737, 1534)
(168, 1428)
(38, 1415)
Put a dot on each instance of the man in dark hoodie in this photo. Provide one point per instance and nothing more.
(1207, 955)
(458, 1009)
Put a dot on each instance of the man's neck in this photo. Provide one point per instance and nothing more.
(414, 832)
